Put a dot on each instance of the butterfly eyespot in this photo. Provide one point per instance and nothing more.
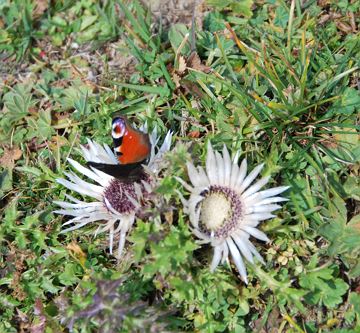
(118, 128)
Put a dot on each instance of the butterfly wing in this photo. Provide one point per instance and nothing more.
(125, 172)
(131, 145)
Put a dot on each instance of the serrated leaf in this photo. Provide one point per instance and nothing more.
(68, 277)
(282, 16)
(214, 22)
(324, 289)
(45, 129)
(332, 296)
(343, 237)
(48, 286)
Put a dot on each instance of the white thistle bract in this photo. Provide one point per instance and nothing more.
(225, 207)
(116, 203)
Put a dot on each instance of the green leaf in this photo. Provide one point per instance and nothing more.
(48, 286)
(219, 4)
(59, 21)
(354, 299)
(177, 35)
(87, 21)
(213, 22)
(354, 271)
(29, 170)
(169, 253)
(68, 277)
(324, 289)
(344, 237)
(332, 296)
(242, 7)
(41, 128)
(162, 91)
(281, 16)
(139, 238)
(17, 103)
(11, 214)
(347, 103)
(5, 181)
(44, 124)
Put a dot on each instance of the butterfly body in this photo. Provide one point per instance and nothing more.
(132, 148)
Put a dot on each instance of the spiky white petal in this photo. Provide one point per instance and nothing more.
(227, 166)
(211, 167)
(241, 174)
(97, 153)
(237, 258)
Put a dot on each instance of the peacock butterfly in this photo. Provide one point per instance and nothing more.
(132, 148)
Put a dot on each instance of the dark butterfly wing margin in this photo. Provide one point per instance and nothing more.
(125, 172)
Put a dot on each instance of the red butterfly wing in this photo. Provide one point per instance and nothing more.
(132, 148)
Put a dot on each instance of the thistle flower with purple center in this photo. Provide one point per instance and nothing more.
(116, 203)
(225, 209)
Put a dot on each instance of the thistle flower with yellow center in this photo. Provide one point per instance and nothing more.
(225, 208)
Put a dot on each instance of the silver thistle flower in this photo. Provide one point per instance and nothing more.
(225, 209)
(116, 203)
